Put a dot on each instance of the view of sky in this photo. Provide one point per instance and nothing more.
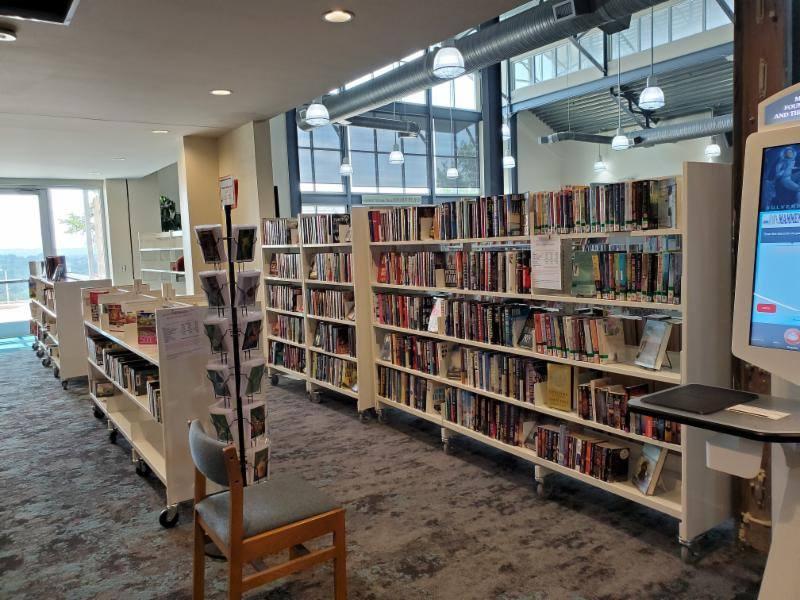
(19, 220)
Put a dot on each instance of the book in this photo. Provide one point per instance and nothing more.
(243, 245)
(146, 327)
(583, 279)
(215, 286)
(212, 243)
(247, 284)
(559, 386)
(217, 330)
(648, 469)
(653, 346)
(251, 325)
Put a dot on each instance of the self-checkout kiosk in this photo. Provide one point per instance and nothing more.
(766, 333)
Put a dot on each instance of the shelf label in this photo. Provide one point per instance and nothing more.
(391, 200)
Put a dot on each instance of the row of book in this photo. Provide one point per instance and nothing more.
(489, 270)
(325, 229)
(334, 304)
(398, 310)
(585, 453)
(336, 371)
(154, 400)
(401, 223)
(339, 339)
(285, 297)
(286, 265)
(409, 268)
(511, 376)
(287, 356)
(627, 274)
(414, 352)
(589, 338)
(130, 371)
(410, 390)
(606, 208)
(495, 419)
(494, 216)
(288, 328)
(280, 232)
(336, 267)
(655, 428)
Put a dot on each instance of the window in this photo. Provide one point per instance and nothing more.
(523, 72)
(415, 98)
(324, 209)
(715, 17)
(78, 230)
(461, 92)
(320, 155)
(457, 147)
(567, 60)
(687, 19)
(592, 42)
(661, 31)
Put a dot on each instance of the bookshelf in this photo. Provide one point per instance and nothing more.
(699, 351)
(155, 429)
(56, 321)
(159, 257)
(310, 306)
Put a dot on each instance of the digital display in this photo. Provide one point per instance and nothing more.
(775, 318)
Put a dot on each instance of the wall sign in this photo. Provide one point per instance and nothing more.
(392, 200)
(785, 109)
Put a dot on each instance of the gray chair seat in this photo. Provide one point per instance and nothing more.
(276, 502)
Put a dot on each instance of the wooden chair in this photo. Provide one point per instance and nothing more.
(247, 523)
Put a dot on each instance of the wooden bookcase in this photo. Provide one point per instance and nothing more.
(696, 496)
(158, 446)
(306, 252)
(56, 315)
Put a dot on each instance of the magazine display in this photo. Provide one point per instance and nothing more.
(238, 412)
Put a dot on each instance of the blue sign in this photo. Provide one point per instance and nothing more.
(783, 110)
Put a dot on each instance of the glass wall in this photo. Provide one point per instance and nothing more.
(77, 225)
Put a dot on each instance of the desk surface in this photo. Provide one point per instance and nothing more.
(786, 430)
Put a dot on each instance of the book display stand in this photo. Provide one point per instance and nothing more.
(312, 306)
(234, 326)
(146, 357)
(496, 270)
(56, 322)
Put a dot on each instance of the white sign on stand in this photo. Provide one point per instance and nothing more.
(227, 191)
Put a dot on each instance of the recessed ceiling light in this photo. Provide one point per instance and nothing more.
(118, 158)
(8, 34)
(160, 131)
(220, 92)
(338, 16)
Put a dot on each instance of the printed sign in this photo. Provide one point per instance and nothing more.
(228, 191)
(391, 200)
(783, 110)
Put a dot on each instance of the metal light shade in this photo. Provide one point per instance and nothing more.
(509, 162)
(599, 166)
(317, 114)
(620, 141)
(346, 169)
(396, 157)
(505, 132)
(713, 150)
(652, 97)
(448, 63)
(452, 173)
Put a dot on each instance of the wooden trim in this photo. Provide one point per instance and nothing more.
(287, 568)
(287, 536)
(223, 547)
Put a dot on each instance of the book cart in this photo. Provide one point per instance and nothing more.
(697, 497)
(56, 322)
(152, 419)
(311, 308)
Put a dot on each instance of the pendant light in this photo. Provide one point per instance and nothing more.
(599, 165)
(652, 96)
(505, 132)
(448, 62)
(509, 162)
(452, 172)
(712, 150)
(396, 155)
(620, 141)
(346, 169)
(317, 114)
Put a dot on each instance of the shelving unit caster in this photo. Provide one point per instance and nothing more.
(142, 468)
(39, 353)
(112, 435)
(689, 551)
(273, 379)
(46, 362)
(314, 396)
(446, 436)
(98, 414)
(543, 488)
(64, 384)
(383, 416)
(57, 373)
(35, 346)
(169, 517)
(362, 416)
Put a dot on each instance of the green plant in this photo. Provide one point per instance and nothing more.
(170, 216)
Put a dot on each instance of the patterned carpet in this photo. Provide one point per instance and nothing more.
(78, 523)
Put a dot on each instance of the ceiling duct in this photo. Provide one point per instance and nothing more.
(404, 128)
(516, 35)
(59, 12)
(574, 136)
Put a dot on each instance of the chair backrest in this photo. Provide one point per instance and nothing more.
(207, 454)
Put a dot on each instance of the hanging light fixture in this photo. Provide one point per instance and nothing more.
(599, 165)
(452, 173)
(346, 169)
(620, 141)
(317, 114)
(509, 162)
(396, 156)
(652, 96)
(712, 150)
(505, 132)
(448, 62)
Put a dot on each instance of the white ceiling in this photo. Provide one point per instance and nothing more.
(72, 98)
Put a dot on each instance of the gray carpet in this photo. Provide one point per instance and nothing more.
(78, 523)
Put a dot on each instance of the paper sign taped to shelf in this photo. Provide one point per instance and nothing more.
(228, 191)
(546, 263)
(180, 331)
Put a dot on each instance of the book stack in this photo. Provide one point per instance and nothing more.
(290, 357)
(339, 339)
(288, 328)
(284, 297)
(495, 216)
(656, 428)
(338, 372)
(409, 268)
(286, 266)
(418, 353)
(335, 267)
(410, 390)
(325, 229)
(129, 370)
(280, 232)
(606, 208)
(401, 224)
(497, 420)
(500, 373)
(334, 304)
(584, 453)
(409, 312)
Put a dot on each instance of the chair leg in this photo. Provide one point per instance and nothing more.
(340, 562)
(235, 574)
(198, 563)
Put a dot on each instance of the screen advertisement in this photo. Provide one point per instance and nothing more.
(775, 319)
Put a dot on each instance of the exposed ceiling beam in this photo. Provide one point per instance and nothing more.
(603, 68)
(621, 100)
(727, 10)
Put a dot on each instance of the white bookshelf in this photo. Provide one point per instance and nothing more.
(158, 253)
(56, 317)
(697, 497)
(160, 447)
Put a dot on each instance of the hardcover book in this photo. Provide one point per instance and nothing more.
(648, 469)
(653, 347)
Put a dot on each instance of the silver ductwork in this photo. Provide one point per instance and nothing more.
(516, 35)
(403, 127)
(689, 130)
(574, 136)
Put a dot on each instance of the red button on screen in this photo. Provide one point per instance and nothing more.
(766, 308)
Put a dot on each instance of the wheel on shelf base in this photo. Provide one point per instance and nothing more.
(64, 384)
(446, 448)
(56, 373)
(273, 379)
(168, 517)
(142, 468)
(98, 414)
(46, 362)
(543, 490)
(362, 416)
(34, 346)
(39, 353)
(112, 435)
(315, 396)
(383, 416)
(689, 552)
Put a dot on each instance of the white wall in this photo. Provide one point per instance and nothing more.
(168, 182)
(118, 231)
(280, 162)
(549, 166)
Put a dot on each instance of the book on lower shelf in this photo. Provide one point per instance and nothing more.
(280, 232)
(647, 473)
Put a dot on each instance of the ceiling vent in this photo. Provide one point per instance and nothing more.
(46, 11)
(568, 9)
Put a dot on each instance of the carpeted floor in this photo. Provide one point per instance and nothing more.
(76, 522)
